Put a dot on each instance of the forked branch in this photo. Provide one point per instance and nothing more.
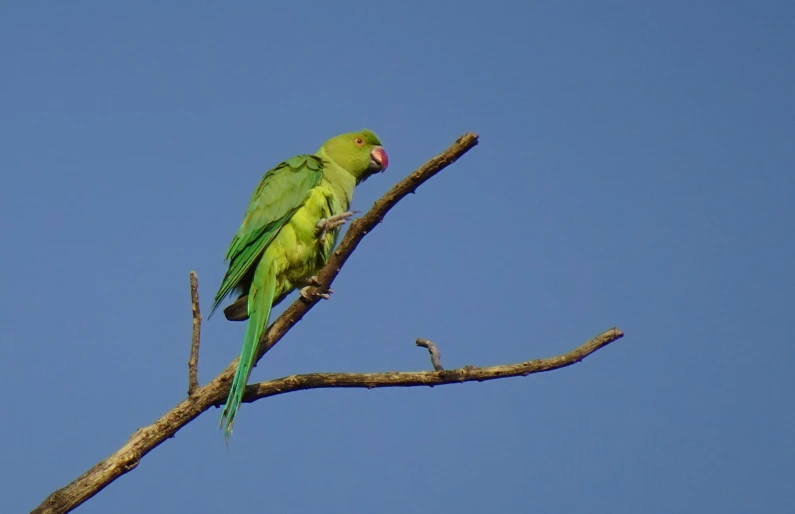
(214, 393)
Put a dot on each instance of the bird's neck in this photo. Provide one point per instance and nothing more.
(341, 182)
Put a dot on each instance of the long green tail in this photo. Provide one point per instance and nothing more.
(260, 299)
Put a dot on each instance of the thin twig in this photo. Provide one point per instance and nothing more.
(193, 362)
(436, 357)
(214, 393)
(292, 383)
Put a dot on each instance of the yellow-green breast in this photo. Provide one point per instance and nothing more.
(296, 253)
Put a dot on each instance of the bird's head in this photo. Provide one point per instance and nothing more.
(360, 153)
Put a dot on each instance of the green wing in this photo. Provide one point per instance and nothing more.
(280, 193)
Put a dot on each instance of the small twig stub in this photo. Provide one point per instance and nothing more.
(436, 357)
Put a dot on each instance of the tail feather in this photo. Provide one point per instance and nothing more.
(260, 300)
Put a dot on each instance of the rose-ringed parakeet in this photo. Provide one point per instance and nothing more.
(287, 235)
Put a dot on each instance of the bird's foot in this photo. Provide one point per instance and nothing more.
(314, 282)
(332, 222)
(307, 295)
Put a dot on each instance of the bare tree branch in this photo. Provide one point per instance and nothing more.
(193, 362)
(292, 383)
(436, 357)
(214, 393)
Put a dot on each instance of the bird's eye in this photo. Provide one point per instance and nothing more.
(359, 141)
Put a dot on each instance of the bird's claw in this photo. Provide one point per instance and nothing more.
(332, 222)
(306, 295)
(313, 281)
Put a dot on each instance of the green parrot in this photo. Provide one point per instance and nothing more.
(287, 235)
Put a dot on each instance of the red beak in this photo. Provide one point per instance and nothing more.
(379, 155)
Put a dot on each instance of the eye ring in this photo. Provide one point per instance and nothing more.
(358, 141)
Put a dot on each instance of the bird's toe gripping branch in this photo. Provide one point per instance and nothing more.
(314, 282)
(332, 222)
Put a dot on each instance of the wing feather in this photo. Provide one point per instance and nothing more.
(280, 193)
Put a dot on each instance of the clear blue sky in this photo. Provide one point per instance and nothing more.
(636, 168)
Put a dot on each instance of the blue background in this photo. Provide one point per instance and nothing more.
(636, 168)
